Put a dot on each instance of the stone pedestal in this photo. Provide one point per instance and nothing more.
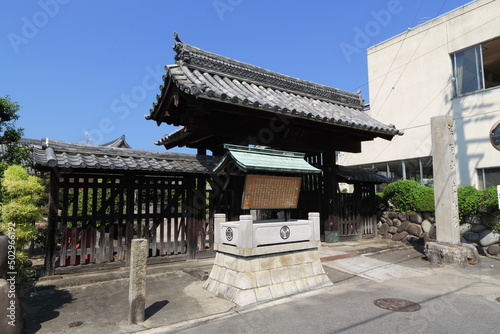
(454, 254)
(246, 280)
(246, 275)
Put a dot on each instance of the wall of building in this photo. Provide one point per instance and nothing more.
(411, 80)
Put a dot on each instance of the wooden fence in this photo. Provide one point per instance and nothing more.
(97, 216)
(356, 212)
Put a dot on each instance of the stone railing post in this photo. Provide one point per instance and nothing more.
(245, 230)
(314, 216)
(218, 219)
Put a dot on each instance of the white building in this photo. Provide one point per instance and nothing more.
(447, 66)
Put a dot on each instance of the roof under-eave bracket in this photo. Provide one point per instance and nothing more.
(251, 159)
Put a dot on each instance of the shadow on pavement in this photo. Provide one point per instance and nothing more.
(43, 306)
(155, 308)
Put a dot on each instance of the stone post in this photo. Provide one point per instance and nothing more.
(445, 179)
(314, 216)
(245, 239)
(218, 219)
(137, 285)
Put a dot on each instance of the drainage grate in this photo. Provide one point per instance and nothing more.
(398, 305)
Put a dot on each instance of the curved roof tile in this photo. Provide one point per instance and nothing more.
(211, 76)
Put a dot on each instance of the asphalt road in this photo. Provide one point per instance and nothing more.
(452, 300)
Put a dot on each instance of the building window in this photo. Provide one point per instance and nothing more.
(477, 67)
(489, 177)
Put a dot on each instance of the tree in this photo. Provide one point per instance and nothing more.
(19, 210)
(10, 152)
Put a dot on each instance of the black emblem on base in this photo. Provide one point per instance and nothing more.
(229, 234)
(284, 232)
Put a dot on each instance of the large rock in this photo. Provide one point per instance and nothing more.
(478, 228)
(471, 236)
(454, 254)
(390, 214)
(396, 222)
(415, 230)
(383, 229)
(426, 226)
(494, 250)
(489, 219)
(472, 219)
(465, 228)
(399, 236)
(425, 237)
(404, 226)
(429, 216)
(402, 216)
(489, 237)
(415, 218)
(392, 229)
(432, 232)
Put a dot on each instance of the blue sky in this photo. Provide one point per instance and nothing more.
(91, 69)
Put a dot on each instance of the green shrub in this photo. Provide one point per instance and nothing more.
(424, 199)
(402, 194)
(488, 200)
(468, 201)
(409, 195)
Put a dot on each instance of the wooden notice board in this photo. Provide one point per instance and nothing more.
(271, 192)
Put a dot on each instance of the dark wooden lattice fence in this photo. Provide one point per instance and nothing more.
(97, 216)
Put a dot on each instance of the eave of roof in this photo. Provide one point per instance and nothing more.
(58, 154)
(249, 159)
(358, 174)
(210, 76)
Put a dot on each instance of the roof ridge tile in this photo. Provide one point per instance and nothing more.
(196, 58)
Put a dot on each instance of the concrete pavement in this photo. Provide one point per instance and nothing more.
(98, 302)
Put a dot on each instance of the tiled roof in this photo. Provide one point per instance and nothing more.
(207, 75)
(118, 142)
(250, 159)
(54, 153)
(358, 174)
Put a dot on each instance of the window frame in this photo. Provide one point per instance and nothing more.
(479, 69)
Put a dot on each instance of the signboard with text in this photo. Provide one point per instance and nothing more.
(271, 192)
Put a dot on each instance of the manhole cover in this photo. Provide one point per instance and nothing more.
(398, 305)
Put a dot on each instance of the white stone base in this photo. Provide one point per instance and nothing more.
(247, 280)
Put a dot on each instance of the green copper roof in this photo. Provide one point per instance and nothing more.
(261, 159)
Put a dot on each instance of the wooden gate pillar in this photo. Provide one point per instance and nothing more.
(191, 219)
(50, 257)
(330, 221)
